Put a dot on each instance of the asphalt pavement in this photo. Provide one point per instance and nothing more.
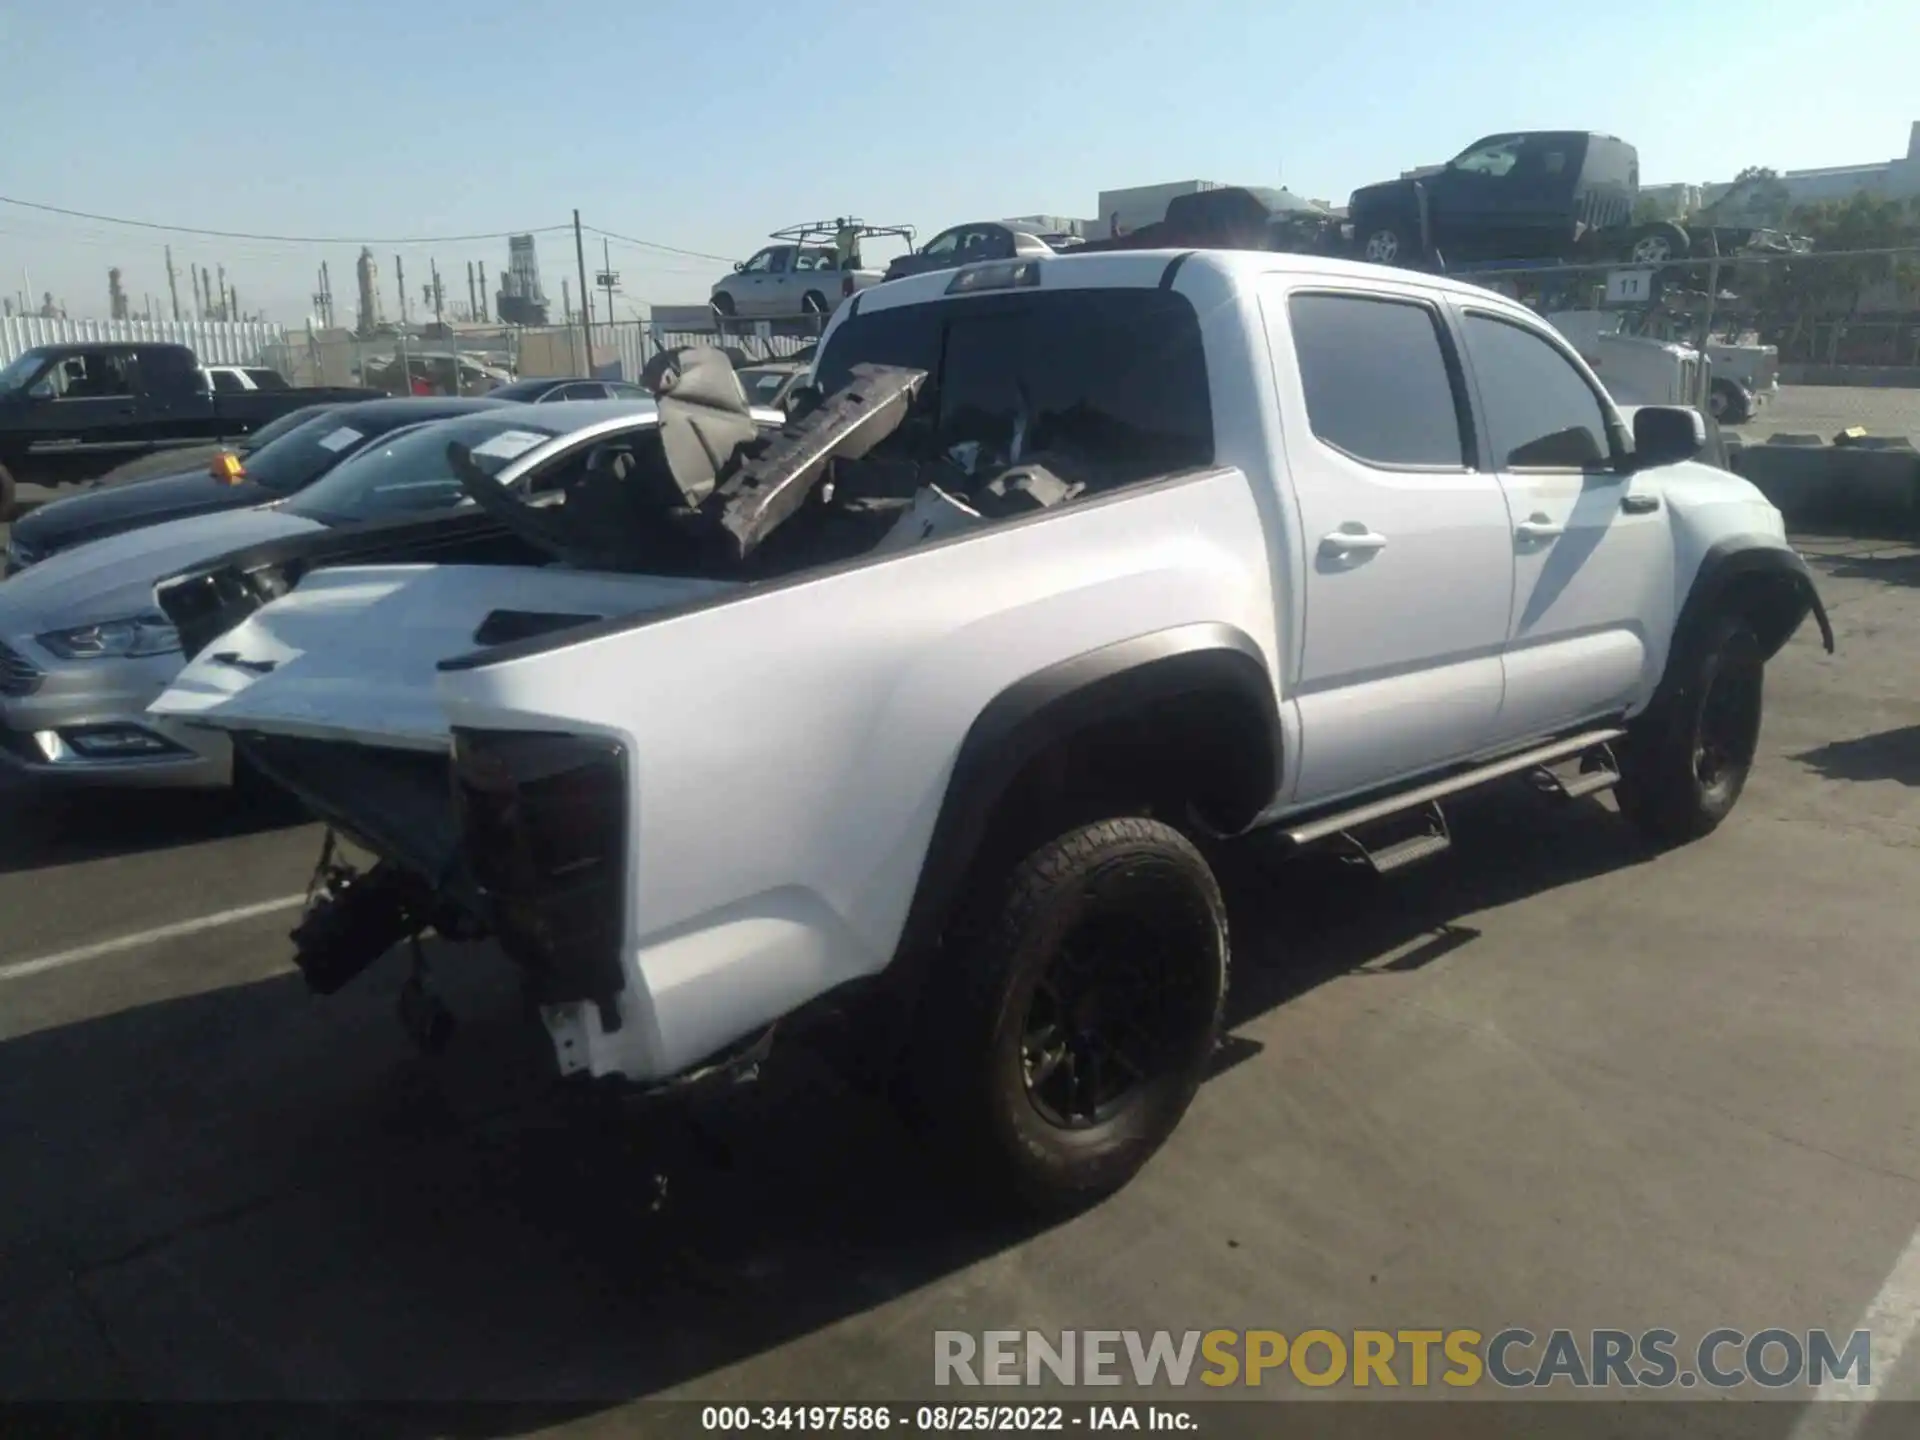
(1551, 1079)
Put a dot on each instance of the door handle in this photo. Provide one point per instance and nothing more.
(1538, 527)
(1346, 541)
(1640, 504)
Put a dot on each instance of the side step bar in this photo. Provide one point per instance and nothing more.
(1328, 826)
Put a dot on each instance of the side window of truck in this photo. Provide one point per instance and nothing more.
(1541, 412)
(1378, 382)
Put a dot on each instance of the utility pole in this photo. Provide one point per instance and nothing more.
(566, 300)
(173, 286)
(608, 280)
(225, 314)
(400, 283)
(473, 308)
(586, 300)
(199, 307)
(486, 300)
(233, 303)
(206, 293)
(438, 295)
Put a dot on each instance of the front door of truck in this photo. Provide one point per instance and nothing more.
(1402, 575)
(1593, 558)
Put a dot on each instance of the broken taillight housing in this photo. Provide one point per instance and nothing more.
(543, 824)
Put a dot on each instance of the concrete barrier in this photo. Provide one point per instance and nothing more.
(1829, 482)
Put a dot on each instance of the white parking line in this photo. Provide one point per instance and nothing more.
(1891, 1319)
(20, 969)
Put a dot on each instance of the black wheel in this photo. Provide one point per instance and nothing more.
(8, 492)
(1728, 403)
(1686, 760)
(1658, 243)
(1064, 1041)
(1387, 244)
(723, 305)
(814, 303)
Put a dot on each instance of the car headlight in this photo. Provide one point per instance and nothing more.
(136, 635)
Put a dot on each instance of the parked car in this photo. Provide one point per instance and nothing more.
(964, 244)
(770, 382)
(1537, 195)
(83, 650)
(73, 412)
(549, 389)
(1075, 582)
(230, 379)
(183, 459)
(291, 461)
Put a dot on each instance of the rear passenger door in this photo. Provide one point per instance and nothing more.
(1407, 583)
(1593, 558)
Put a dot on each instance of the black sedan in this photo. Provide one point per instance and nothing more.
(285, 465)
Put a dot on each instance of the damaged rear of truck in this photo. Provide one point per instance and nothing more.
(726, 737)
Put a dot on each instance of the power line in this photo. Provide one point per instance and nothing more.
(286, 239)
(655, 245)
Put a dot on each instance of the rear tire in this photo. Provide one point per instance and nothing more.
(1686, 761)
(1065, 1035)
(814, 303)
(1728, 403)
(723, 306)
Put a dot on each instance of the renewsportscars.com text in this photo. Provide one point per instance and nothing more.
(1513, 1358)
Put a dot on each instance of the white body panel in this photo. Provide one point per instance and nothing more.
(790, 746)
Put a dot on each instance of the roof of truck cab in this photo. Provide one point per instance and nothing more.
(1147, 269)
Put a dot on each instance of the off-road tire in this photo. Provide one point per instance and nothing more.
(972, 1080)
(1672, 788)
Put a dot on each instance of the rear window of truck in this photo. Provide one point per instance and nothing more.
(1117, 377)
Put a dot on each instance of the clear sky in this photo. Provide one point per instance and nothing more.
(703, 124)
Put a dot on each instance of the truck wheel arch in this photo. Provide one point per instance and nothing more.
(1202, 693)
(1761, 579)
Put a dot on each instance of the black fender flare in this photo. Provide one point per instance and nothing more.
(1068, 697)
(1734, 562)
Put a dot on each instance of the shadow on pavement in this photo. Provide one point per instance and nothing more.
(1889, 755)
(1888, 569)
(255, 1194)
(41, 830)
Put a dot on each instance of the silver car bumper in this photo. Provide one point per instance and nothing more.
(84, 722)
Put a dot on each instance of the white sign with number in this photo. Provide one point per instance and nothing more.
(1624, 287)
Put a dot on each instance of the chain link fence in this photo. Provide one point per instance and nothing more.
(471, 360)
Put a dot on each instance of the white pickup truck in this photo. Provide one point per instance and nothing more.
(937, 706)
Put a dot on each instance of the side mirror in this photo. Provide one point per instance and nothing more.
(1666, 435)
(738, 266)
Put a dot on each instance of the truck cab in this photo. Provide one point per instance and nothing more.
(1530, 195)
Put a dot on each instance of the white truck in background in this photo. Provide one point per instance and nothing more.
(1636, 369)
(1647, 370)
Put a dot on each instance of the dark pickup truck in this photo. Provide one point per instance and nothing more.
(1233, 217)
(73, 412)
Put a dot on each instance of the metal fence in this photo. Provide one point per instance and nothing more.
(215, 342)
(484, 357)
(1853, 308)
